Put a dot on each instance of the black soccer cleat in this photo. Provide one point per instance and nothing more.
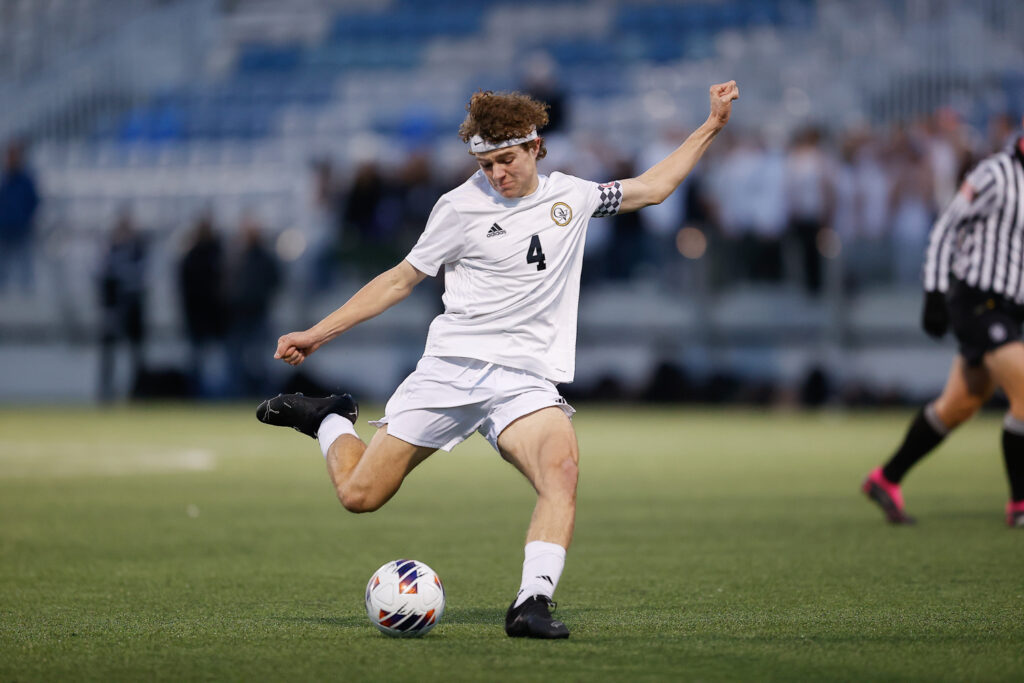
(305, 413)
(533, 619)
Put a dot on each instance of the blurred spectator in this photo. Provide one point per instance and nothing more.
(748, 189)
(949, 154)
(540, 81)
(1001, 132)
(810, 195)
(911, 203)
(660, 223)
(19, 201)
(201, 283)
(322, 227)
(363, 198)
(122, 299)
(416, 193)
(253, 281)
(860, 214)
(370, 221)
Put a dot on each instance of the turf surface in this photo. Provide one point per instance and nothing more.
(188, 543)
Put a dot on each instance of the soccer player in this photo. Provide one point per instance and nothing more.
(511, 245)
(974, 281)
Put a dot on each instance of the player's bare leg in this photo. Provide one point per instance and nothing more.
(1007, 367)
(542, 445)
(366, 477)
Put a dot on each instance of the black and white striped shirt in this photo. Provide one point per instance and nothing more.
(979, 239)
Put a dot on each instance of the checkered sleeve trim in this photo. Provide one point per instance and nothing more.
(611, 199)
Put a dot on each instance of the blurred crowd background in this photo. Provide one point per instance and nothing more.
(184, 180)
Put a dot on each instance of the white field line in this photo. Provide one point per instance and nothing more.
(24, 460)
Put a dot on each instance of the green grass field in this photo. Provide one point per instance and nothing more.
(192, 543)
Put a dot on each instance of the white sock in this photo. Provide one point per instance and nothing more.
(331, 428)
(541, 570)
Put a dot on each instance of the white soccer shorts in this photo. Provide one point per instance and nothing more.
(446, 399)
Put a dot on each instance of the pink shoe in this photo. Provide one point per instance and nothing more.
(1015, 513)
(888, 497)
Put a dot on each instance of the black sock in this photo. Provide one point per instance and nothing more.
(1013, 456)
(921, 438)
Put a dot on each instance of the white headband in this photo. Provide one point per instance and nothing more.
(478, 145)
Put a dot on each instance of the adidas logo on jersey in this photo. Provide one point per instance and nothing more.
(496, 231)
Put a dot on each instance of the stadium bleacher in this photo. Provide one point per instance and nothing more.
(232, 128)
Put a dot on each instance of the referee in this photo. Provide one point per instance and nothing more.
(974, 283)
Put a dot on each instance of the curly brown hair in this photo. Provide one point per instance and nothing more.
(499, 116)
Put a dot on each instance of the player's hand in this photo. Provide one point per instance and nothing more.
(722, 96)
(935, 316)
(294, 347)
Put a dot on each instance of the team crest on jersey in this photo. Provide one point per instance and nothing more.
(561, 213)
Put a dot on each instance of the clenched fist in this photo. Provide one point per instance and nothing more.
(293, 347)
(722, 96)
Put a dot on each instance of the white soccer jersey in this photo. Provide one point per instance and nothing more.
(512, 270)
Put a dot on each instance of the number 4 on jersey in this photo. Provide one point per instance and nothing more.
(535, 254)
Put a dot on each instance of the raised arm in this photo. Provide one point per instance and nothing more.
(655, 184)
(377, 296)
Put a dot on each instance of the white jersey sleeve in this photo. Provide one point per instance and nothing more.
(441, 242)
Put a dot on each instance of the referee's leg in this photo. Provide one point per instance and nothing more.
(1007, 367)
(967, 389)
(1006, 364)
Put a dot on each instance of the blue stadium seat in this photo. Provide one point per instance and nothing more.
(270, 76)
(415, 23)
(1013, 86)
(673, 31)
(760, 12)
(151, 122)
(578, 52)
(133, 125)
(797, 13)
(263, 58)
(664, 48)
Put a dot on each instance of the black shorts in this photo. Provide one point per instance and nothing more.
(982, 321)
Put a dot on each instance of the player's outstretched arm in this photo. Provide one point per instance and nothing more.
(377, 296)
(655, 184)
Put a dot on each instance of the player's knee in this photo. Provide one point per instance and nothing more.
(954, 413)
(1016, 408)
(955, 417)
(570, 470)
(563, 473)
(358, 499)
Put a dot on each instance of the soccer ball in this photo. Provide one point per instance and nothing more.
(404, 598)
